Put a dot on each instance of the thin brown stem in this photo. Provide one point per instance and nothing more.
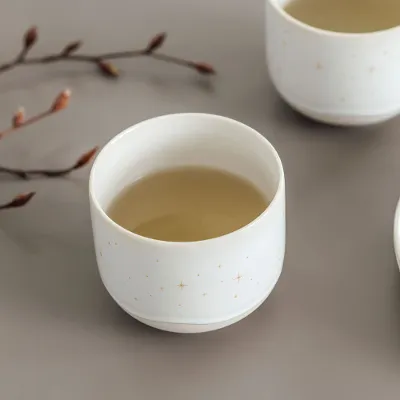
(172, 60)
(19, 120)
(94, 59)
(27, 122)
(83, 160)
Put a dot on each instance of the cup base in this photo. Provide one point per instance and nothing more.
(341, 119)
(175, 327)
(193, 328)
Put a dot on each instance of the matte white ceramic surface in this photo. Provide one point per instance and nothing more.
(193, 286)
(337, 78)
(396, 233)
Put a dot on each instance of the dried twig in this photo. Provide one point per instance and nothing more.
(19, 121)
(50, 173)
(102, 61)
(104, 65)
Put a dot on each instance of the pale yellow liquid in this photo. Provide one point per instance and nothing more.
(350, 16)
(187, 204)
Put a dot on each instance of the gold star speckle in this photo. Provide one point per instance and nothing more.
(147, 276)
(219, 266)
(238, 278)
(319, 66)
(181, 285)
(198, 274)
(235, 296)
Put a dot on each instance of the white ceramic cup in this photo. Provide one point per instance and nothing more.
(337, 78)
(189, 286)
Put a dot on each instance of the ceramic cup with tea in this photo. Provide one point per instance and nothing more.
(189, 285)
(336, 61)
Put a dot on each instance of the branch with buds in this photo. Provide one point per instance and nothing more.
(20, 121)
(104, 65)
(101, 61)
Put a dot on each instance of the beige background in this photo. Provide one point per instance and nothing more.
(331, 328)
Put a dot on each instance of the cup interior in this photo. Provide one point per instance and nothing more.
(184, 140)
(321, 8)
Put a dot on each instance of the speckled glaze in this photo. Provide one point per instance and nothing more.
(193, 286)
(337, 78)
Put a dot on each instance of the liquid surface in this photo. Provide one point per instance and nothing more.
(350, 16)
(187, 204)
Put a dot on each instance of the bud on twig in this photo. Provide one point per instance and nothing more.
(18, 201)
(204, 68)
(156, 42)
(71, 48)
(18, 118)
(22, 199)
(85, 158)
(61, 101)
(30, 37)
(108, 69)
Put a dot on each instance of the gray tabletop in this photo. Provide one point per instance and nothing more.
(331, 328)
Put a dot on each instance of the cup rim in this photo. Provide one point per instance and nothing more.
(129, 130)
(302, 25)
